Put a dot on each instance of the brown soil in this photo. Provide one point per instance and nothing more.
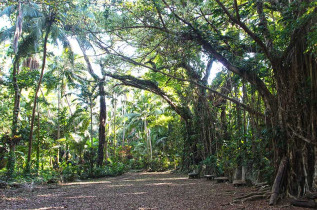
(133, 191)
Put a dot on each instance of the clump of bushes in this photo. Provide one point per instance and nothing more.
(73, 172)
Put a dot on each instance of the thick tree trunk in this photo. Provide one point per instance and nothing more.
(189, 149)
(295, 118)
(102, 124)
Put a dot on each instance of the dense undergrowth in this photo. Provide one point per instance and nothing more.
(71, 171)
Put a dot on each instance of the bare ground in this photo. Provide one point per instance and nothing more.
(133, 191)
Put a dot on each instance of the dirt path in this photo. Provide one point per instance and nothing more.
(132, 191)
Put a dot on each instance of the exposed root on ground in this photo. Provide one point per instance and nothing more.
(262, 192)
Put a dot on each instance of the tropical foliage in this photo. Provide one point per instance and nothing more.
(93, 88)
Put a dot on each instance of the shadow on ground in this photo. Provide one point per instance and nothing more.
(161, 190)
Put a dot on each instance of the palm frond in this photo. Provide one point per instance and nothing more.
(85, 43)
(28, 46)
(161, 140)
(7, 34)
(55, 33)
(68, 51)
(8, 11)
(31, 10)
(35, 26)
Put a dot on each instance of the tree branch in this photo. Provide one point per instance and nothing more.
(152, 87)
(236, 9)
(263, 25)
(246, 107)
(247, 30)
(298, 34)
(207, 72)
(247, 75)
(90, 69)
(159, 14)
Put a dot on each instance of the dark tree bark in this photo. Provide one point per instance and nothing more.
(295, 118)
(102, 113)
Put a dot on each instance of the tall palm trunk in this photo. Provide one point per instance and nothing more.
(123, 113)
(38, 139)
(114, 127)
(36, 95)
(17, 95)
(58, 122)
(102, 124)
(148, 139)
(91, 137)
(16, 111)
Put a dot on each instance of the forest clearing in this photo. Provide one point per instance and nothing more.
(143, 191)
(221, 90)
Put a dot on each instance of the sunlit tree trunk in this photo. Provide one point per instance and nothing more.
(123, 114)
(148, 139)
(91, 123)
(38, 139)
(114, 126)
(58, 122)
(150, 144)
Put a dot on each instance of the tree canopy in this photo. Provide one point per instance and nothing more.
(92, 88)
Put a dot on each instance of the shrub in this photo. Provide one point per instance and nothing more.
(70, 173)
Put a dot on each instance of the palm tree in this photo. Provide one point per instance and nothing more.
(140, 116)
(51, 13)
(29, 12)
(86, 99)
(49, 24)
